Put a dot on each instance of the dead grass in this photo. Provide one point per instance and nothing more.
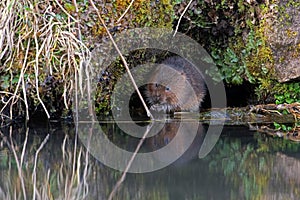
(39, 38)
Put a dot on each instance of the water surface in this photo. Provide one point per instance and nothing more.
(48, 161)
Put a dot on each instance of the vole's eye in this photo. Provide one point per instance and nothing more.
(168, 89)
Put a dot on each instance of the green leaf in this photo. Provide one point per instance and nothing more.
(279, 97)
(285, 112)
(287, 95)
(215, 55)
(277, 126)
(289, 101)
(15, 80)
(284, 128)
(69, 7)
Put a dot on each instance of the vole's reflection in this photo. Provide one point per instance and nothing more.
(175, 140)
(186, 139)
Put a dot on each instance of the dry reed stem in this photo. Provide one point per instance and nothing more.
(7, 102)
(36, 66)
(53, 39)
(24, 67)
(180, 18)
(6, 41)
(12, 100)
(127, 9)
(77, 22)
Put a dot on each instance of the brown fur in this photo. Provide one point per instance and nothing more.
(170, 86)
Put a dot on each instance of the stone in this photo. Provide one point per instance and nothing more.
(282, 31)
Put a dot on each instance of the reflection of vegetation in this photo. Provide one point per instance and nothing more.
(55, 166)
(249, 166)
(241, 168)
(270, 144)
(33, 167)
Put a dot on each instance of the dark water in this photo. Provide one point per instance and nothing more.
(48, 161)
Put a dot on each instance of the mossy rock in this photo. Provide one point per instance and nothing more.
(283, 36)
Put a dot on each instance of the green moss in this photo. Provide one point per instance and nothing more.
(268, 85)
(248, 57)
(116, 70)
(106, 85)
(241, 54)
(141, 13)
(60, 56)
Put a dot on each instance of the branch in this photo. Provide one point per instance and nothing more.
(124, 61)
(180, 18)
(125, 11)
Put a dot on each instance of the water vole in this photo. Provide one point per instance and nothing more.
(177, 85)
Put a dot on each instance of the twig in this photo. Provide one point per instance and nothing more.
(77, 23)
(180, 18)
(23, 81)
(66, 12)
(124, 61)
(125, 11)
(6, 31)
(36, 67)
(7, 102)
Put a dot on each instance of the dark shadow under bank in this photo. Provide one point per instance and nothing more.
(237, 96)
